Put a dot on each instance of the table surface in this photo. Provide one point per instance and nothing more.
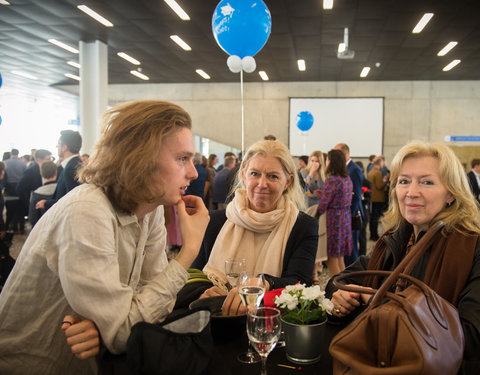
(228, 351)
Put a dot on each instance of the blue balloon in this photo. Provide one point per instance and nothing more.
(304, 121)
(0, 120)
(241, 27)
(0, 80)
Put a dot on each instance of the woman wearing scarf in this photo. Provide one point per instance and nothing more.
(428, 184)
(263, 224)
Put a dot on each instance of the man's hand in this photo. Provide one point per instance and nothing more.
(193, 219)
(82, 337)
(40, 204)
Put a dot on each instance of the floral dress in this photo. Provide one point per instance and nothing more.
(335, 198)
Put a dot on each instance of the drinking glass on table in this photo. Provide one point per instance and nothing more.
(263, 329)
(234, 269)
(251, 290)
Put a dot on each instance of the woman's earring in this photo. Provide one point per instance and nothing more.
(449, 203)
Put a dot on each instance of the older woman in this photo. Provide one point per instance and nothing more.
(428, 184)
(263, 224)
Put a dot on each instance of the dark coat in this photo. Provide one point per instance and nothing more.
(472, 179)
(356, 176)
(67, 180)
(30, 181)
(299, 256)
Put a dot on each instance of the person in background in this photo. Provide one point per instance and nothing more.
(99, 253)
(263, 224)
(31, 179)
(48, 171)
(226, 155)
(211, 162)
(302, 165)
(378, 196)
(68, 146)
(356, 208)
(370, 163)
(314, 177)
(474, 179)
(428, 185)
(270, 137)
(197, 186)
(3, 229)
(13, 173)
(84, 158)
(366, 199)
(335, 199)
(219, 195)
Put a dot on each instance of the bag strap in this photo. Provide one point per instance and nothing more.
(411, 258)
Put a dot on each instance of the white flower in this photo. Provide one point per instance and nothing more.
(327, 305)
(311, 293)
(286, 300)
(294, 288)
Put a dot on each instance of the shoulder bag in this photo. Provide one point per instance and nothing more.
(410, 331)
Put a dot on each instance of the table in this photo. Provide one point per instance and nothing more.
(227, 355)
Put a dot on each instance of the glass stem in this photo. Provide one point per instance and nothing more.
(264, 366)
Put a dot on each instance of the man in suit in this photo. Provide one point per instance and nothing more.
(474, 178)
(68, 147)
(31, 178)
(356, 176)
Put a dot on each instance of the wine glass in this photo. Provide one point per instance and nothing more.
(251, 290)
(234, 269)
(263, 329)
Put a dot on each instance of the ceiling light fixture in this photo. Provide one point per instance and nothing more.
(4, 2)
(263, 75)
(301, 65)
(447, 48)
(63, 45)
(365, 71)
(74, 64)
(130, 59)
(327, 4)
(453, 64)
(202, 73)
(72, 76)
(24, 75)
(180, 42)
(97, 17)
(178, 9)
(139, 75)
(422, 23)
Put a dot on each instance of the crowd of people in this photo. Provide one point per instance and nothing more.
(95, 261)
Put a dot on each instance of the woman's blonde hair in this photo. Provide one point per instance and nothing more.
(321, 160)
(463, 214)
(278, 150)
(126, 156)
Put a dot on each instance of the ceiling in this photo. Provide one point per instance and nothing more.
(380, 32)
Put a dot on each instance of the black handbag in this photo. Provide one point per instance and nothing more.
(357, 221)
(181, 345)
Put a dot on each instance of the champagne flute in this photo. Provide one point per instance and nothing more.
(263, 329)
(251, 291)
(234, 269)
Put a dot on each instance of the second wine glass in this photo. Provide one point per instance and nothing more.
(234, 270)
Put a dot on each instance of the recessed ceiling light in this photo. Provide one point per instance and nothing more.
(453, 64)
(341, 47)
(139, 75)
(63, 45)
(263, 75)
(178, 9)
(72, 76)
(327, 4)
(422, 23)
(301, 65)
(447, 49)
(365, 71)
(24, 75)
(180, 42)
(4, 2)
(202, 73)
(130, 59)
(97, 17)
(74, 64)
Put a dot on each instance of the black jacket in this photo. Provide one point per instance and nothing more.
(300, 251)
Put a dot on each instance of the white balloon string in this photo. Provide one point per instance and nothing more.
(243, 119)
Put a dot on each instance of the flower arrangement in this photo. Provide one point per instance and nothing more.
(303, 305)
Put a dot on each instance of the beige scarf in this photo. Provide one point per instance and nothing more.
(259, 238)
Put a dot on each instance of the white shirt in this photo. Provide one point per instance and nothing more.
(86, 259)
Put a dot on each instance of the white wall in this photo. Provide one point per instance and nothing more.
(426, 110)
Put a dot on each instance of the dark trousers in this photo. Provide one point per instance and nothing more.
(378, 208)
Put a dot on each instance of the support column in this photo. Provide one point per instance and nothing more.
(93, 91)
